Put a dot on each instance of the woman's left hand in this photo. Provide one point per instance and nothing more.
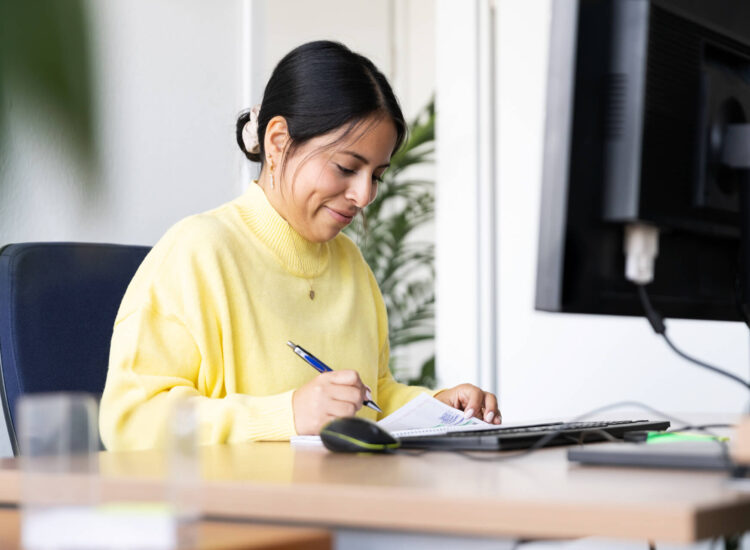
(473, 401)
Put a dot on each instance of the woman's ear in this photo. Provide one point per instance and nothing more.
(276, 138)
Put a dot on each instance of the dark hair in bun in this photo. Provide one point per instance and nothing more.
(321, 86)
(241, 121)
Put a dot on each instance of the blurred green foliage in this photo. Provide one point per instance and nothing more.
(402, 264)
(45, 55)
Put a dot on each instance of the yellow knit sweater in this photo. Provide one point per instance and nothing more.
(207, 317)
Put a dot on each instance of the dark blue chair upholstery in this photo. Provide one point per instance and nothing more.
(58, 303)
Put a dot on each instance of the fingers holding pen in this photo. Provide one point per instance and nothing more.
(348, 388)
(332, 394)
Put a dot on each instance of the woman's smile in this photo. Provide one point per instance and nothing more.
(341, 217)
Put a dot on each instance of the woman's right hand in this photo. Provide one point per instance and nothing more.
(329, 395)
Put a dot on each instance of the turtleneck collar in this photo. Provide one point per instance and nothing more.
(298, 255)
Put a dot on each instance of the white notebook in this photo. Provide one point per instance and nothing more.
(423, 415)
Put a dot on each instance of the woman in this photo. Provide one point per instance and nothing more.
(209, 312)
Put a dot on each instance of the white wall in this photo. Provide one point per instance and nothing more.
(465, 263)
(168, 92)
(554, 365)
(397, 35)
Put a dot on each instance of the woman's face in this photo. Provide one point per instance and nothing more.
(324, 188)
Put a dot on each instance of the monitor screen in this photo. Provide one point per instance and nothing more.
(646, 103)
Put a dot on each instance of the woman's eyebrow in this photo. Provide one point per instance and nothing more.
(363, 159)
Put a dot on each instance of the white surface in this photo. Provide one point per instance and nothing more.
(457, 307)
(466, 194)
(313, 440)
(84, 528)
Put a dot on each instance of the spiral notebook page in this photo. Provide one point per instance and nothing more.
(423, 415)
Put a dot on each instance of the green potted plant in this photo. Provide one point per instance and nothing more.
(403, 264)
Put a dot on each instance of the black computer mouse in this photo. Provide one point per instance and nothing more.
(356, 435)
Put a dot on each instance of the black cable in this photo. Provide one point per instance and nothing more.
(654, 317)
(700, 363)
(543, 441)
(657, 323)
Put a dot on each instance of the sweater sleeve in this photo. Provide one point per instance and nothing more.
(155, 362)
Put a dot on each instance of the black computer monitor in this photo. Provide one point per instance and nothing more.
(645, 111)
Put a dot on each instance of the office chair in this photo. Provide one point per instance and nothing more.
(58, 303)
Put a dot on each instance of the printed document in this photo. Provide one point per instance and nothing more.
(423, 415)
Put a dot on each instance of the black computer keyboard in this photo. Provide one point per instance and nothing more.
(522, 437)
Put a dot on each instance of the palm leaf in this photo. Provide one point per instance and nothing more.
(403, 266)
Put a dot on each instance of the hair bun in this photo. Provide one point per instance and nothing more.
(247, 133)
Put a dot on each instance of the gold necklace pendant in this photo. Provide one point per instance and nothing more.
(302, 268)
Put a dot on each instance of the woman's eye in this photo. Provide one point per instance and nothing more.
(346, 171)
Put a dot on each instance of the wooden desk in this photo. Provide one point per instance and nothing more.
(538, 496)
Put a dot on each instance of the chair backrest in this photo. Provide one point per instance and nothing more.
(58, 303)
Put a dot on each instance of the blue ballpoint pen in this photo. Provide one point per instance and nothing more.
(320, 366)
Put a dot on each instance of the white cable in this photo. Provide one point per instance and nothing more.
(641, 249)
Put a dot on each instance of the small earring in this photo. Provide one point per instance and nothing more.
(272, 180)
(270, 170)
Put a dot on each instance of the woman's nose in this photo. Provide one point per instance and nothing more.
(360, 191)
